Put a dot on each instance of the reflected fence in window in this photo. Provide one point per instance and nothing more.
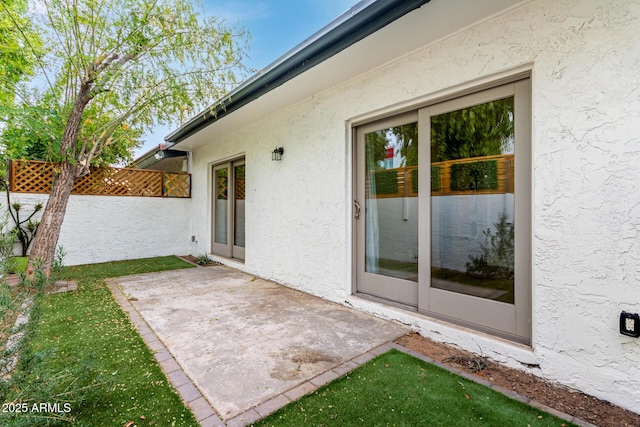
(477, 175)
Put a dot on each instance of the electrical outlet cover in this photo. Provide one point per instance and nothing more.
(630, 324)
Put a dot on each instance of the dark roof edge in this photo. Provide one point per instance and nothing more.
(356, 25)
(149, 158)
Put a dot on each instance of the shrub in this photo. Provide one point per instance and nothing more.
(481, 175)
(497, 258)
(384, 182)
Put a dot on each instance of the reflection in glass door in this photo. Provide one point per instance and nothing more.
(473, 201)
(221, 204)
(389, 192)
(228, 215)
(238, 209)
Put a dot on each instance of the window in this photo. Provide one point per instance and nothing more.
(228, 209)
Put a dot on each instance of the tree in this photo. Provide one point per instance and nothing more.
(404, 137)
(376, 148)
(34, 132)
(17, 54)
(481, 130)
(407, 137)
(111, 66)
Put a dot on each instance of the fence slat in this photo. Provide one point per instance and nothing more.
(32, 176)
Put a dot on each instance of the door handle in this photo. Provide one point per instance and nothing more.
(357, 209)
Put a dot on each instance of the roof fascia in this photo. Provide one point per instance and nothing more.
(334, 38)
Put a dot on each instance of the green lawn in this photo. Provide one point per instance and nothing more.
(396, 389)
(19, 264)
(83, 354)
(84, 360)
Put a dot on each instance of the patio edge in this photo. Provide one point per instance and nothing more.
(206, 415)
(201, 408)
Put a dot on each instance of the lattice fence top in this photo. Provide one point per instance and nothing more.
(31, 176)
(240, 188)
(177, 184)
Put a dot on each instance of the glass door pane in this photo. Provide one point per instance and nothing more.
(391, 202)
(221, 181)
(473, 201)
(238, 200)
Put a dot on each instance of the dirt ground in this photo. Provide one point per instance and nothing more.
(563, 399)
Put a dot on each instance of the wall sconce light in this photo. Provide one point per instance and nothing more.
(276, 155)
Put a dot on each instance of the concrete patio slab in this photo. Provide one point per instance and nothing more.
(246, 342)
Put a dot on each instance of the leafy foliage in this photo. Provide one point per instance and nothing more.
(481, 130)
(34, 132)
(7, 241)
(385, 182)
(497, 258)
(407, 138)
(376, 148)
(24, 230)
(203, 259)
(435, 178)
(113, 69)
(18, 55)
(481, 175)
(404, 137)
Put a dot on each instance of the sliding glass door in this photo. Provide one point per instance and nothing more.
(452, 239)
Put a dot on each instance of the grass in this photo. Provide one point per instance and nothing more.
(82, 353)
(396, 389)
(123, 268)
(83, 358)
(19, 264)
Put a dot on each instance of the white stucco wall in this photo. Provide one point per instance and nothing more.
(105, 228)
(584, 58)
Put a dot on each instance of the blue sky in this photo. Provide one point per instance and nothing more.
(276, 26)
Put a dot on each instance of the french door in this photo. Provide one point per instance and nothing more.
(228, 210)
(442, 210)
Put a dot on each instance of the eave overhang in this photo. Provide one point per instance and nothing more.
(362, 20)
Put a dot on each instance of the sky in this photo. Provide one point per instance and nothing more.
(276, 26)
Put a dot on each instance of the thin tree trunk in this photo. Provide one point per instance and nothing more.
(46, 240)
(44, 245)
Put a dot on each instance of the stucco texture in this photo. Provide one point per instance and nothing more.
(106, 228)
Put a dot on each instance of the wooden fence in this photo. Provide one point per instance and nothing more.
(31, 176)
(477, 175)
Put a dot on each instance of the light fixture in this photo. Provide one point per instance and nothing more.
(276, 155)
